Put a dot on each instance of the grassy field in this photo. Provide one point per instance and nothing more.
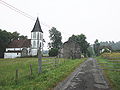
(111, 68)
(53, 71)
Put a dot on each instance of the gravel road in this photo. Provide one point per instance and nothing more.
(85, 77)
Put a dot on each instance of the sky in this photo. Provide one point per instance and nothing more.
(97, 19)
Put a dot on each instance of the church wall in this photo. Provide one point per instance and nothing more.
(12, 55)
(34, 52)
(13, 49)
(34, 42)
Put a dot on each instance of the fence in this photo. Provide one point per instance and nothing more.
(48, 64)
(112, 65)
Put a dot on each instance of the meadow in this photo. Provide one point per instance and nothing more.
(110, 63)
(54, 70)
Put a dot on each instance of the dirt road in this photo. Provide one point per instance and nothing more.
(86, 77)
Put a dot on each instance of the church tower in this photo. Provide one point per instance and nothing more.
(36, 38)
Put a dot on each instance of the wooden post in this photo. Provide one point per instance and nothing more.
(39, 56)
(55, 62)
(31, 70)
(16, 76)
(39, 61)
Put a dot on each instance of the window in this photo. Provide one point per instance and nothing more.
(34, 34)
(34, 43)
(41, 36)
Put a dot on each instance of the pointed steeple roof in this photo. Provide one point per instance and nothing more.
(37, 27)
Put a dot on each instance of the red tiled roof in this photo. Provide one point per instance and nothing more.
(20, 43)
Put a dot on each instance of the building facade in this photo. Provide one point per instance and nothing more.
(70, 49)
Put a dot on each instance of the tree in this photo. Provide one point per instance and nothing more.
(53, 52)
(16, 35)
(96, 47)
(6, 38)
(55, 37)
(81, 40)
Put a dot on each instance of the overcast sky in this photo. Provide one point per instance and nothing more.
(97, 19)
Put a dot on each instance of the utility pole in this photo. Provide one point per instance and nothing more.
(39, 55)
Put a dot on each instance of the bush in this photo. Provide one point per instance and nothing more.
(53, 52)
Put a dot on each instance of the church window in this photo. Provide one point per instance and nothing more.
(34, 43)
(38, 36)
(41, 36)
(34, 35)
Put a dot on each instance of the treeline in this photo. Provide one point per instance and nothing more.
(6, 38)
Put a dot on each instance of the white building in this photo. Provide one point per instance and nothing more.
(27, 47)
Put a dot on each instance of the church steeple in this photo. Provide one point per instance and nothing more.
(36, 38)
(37, 27)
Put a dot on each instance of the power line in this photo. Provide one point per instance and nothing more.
(17, 10)
(21, 12)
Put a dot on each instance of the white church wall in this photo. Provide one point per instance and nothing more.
(18, 49)
(34, 52)
(34, 42)
(12, 55)
(13, 49)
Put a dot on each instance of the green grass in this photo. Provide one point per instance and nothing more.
(113, 76)
(50, 76)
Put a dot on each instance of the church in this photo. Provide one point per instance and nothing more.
(27, 47)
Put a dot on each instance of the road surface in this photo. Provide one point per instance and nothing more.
(86, 77)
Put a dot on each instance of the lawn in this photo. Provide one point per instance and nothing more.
(111, 67)
(53, 71)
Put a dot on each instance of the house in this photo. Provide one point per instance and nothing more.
(27, 47)
(70, 49)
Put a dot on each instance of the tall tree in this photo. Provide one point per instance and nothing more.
(55, 37)
(96, 47)
(81, 40)
(5, 38)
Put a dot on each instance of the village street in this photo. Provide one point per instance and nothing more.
(85, 77)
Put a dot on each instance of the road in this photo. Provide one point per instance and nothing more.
(85, 77)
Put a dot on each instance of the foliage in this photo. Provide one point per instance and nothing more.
(96, 47)
(55, 37)
(53, 52)
(49, 77)
(6, 38)
(81, 40)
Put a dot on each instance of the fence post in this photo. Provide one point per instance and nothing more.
(55, 62)
(31, 70)
(16, 76)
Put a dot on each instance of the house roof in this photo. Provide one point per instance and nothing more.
(37, 27)
(20, 43)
